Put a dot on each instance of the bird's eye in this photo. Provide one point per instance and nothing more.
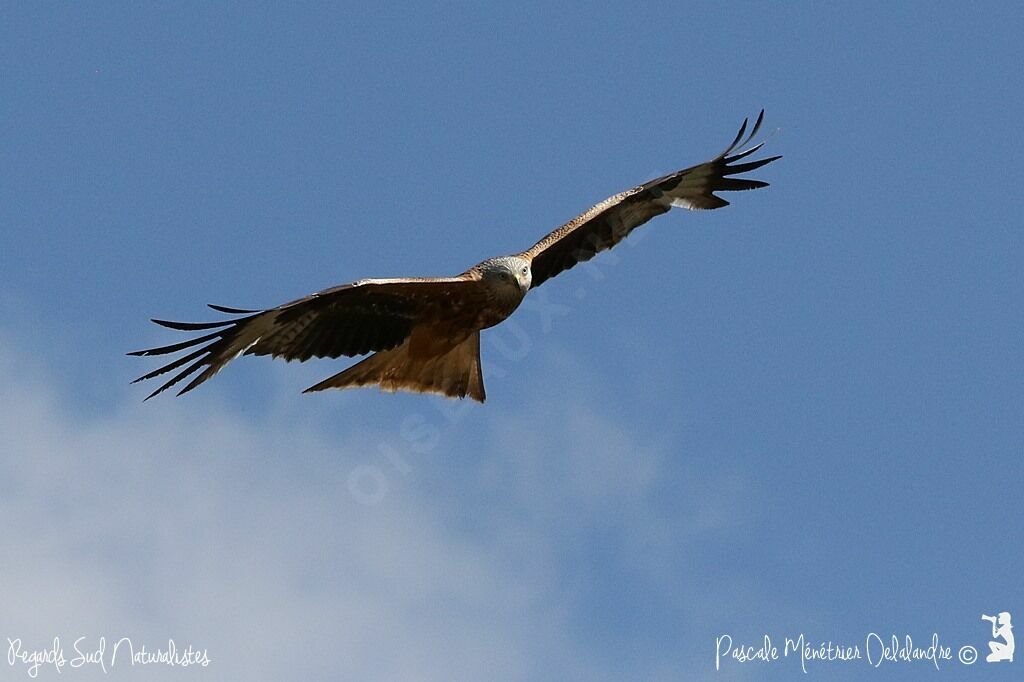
(524, 269)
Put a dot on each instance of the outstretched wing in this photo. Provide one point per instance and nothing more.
(352, 319)
(610, 221)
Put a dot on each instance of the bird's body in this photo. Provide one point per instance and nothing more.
(424, 333)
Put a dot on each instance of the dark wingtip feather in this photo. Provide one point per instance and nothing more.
(192, 326)
(175, 364)
(757, 125)
(230, 311)
(175, 347)
(177, 377)
(743, 154)
(736, 140)
(749, 166)
(206, 374)
(736, 185)
(743, 138)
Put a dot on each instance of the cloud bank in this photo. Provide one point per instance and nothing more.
(243, 537)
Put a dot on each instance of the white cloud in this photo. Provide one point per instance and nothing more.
(175, 521)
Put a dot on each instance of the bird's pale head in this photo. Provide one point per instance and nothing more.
(508, 270)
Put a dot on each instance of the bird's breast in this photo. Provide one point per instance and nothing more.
(501, 301)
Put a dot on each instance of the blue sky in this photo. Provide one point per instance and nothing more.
(798, 414)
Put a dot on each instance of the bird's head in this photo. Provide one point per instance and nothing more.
(508, 269)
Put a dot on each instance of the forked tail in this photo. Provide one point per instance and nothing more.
(456, 373)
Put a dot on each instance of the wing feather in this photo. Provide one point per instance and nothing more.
(609, 222)
(352, 319)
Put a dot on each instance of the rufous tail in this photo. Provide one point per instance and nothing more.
(456, 373)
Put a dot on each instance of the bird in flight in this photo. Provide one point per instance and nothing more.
(424, 332)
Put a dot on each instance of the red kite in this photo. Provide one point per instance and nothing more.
(424, 332)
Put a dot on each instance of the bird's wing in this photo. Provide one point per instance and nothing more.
(352, 319)
(609, 222)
